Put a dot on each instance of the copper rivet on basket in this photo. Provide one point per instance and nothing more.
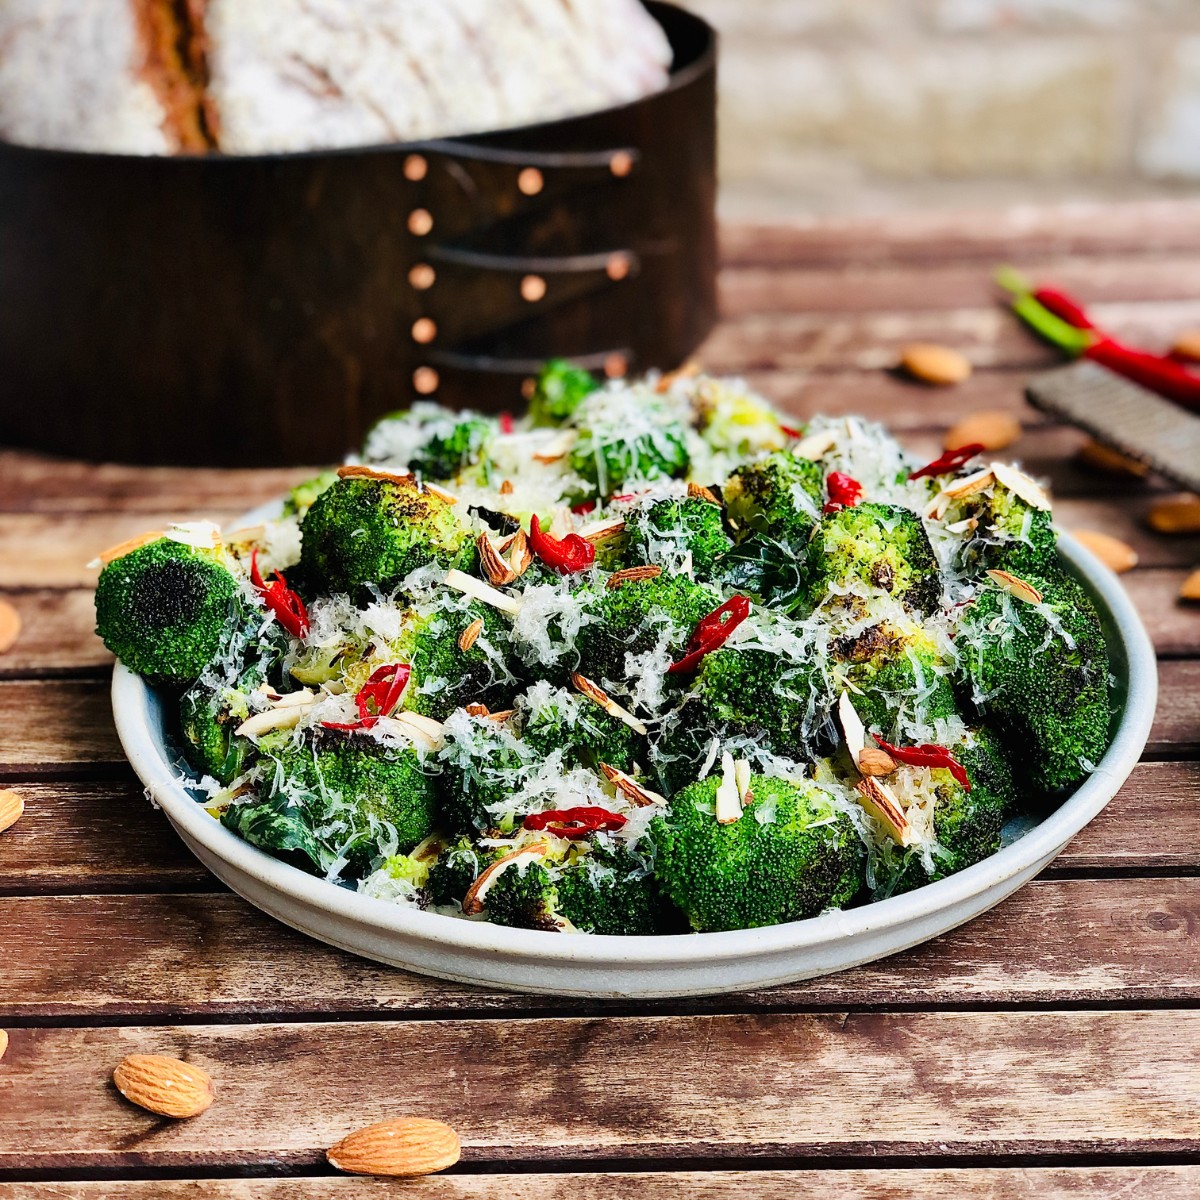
(621, 163)
(530, 181)
(422, 276)
(533, 288)
(615, 366)
(420, 221)
(424, 330)
(425, 380)
(617, 266)
(415, 167)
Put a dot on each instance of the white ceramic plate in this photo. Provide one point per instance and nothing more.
(680, 965)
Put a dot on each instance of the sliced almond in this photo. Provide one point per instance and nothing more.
(403, 1148)
(873, 761)
(601, 531)
(502, 716)
(741, 775)
(630, 788)
(1115, 554)
(729, 795)
(163, 1085)
(200, 535)
(1016, 587)
(815, 445)
(499, 573)
(287, 717)
(470, 635)
(991, 429)
(430, 848)
(961, 488)
(1022, 485)
(473, 901)
(415, 727)
(128, 546)
(304, 698)
(882, 805)
(505, 488)
(1187, 345)
(12, 805)
(630, 574)
(1100, 457)
(360, 471)
(853, 732)
(563, 522)
(1190, 588)
(595, 693)
(935, 364)
(477, 710)
(441, 493)
(689, 370)
(557, 447)
(697, 491)
(10, 626)
(1180, 514)
(519, 555)
(460, 581)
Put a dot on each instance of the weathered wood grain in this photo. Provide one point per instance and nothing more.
(57, 634)
(1054, 942)
(1013, 1183)
(1017, 235)
(771, 1085)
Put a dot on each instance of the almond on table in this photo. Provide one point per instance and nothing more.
(1181, 514)
(10, 626)
(404, 1147)
(12, 805)
(991, 429)
(1099, 457)
(1115, 554)
(164, 1085)
(938, 365)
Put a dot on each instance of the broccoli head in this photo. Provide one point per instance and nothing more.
(484, 765)
(555, 719)
(433, 441)
(1010, 534)
(780, 496)
(164, 608)
(457, 867)
(875, 548)
(448, 453)
(1039, 674)
(677, 535)
(365, 531)
(558, 391)
(790, 855)
(300, 499)
(626, 440)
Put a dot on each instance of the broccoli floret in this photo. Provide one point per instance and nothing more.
(375, 531)
(899, 678)
(555, 719)
(735, 422)
(446, 677)
(675, 534)
(457, 867)
(446, 454)
(790, 855)
(780, 496)
(1039, 675)
(559, 390)
(631, 619)
(300, 498)
(341, 797)
(625, 440)
(163, 609)
(882, 548)
(1011, 535)
(484, 765)
(433, 441)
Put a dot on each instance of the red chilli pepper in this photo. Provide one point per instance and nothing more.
(506, 422)
(287, 606)
(378, 697)
(1063, 306)
(950, 461)
(567, 555)
(582, 510)
(926, 756)
(790, 431)
(575, 822)
(712, 632)
(844, 492)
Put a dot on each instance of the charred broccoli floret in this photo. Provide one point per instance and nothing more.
(624, 440)
(164, 608)
(790, 855)
(1010, 534)
(684, 536)
(559, 390)
(484, 765)
(300, 498)
(457, 867)
(433, 441)
(875, 548)
(555, 719)
(446, 454)
(1039, 674)
(367, 531)
(779, 496)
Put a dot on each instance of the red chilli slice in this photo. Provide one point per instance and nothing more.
(287, 606)
(567, 555)
(844, 492)
(575, 823)
(711, 633)
(378, 697)
(926, 756)
(950, 461)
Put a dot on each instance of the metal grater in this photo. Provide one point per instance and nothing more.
(1124, 416)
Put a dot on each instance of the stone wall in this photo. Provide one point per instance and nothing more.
(860, 104)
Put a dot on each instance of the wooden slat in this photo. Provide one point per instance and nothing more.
(990, 238)
(1054, 942)
(844, 1085)
(1013, 1183)
(57, 634)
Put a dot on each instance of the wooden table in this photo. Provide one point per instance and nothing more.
(1047, 1049)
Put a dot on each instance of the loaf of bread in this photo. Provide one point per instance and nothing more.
(256, 76)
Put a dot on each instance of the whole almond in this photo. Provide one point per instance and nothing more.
(1181, 514)
(992, 430)
(405, 1146)
(11, 808)
(1190, 588)
(1100, 457)
(1115, 554)
(3, 1043)
(1187, 345)
(10, 626)
(935, 364)
(164, 1085)
(873, 761)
